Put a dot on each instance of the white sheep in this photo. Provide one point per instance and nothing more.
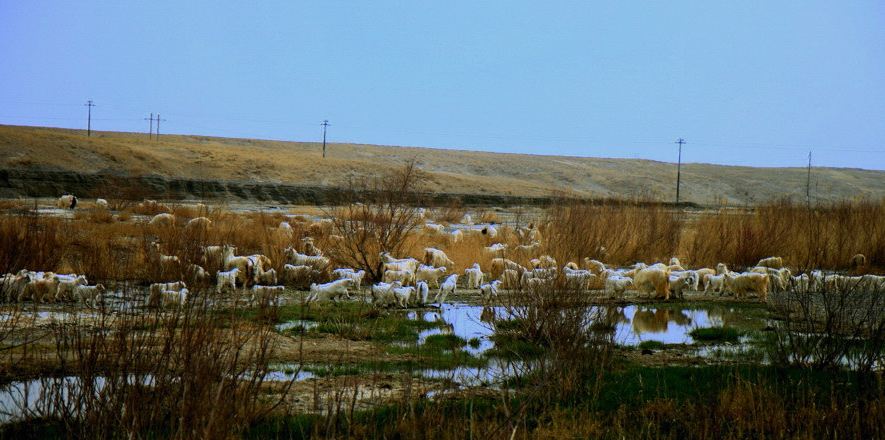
(309, 248)
(101, 204)
(244, 264)
(162, 219)
(296, 274)
(489, 290)
(227, 280)
(89, 295)
(436, 258)
(474, 276)
(466, 220)
(267, 277)
(578, 279)
(266, 295)
(157, 289)
(448, 286)
(715, 283)
(421, 293)
(430, 274)
(316, 261)
(329, 291)
(402, 295)
(198, 224)
(67, 201)
(66, 284)
(382, 293)
(680, 282)
(347, 272)
(175, 297)
(403, 276)
(616, 285)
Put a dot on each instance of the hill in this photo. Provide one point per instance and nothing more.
(455, 171)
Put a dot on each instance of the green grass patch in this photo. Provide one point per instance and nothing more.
(652, 345)
(716, 334)
(444, 342)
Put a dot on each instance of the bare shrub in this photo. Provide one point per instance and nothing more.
(375, 215)
(831, 329)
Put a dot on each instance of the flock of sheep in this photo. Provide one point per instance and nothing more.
(407, 281)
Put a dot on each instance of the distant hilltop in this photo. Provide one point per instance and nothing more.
(448, 171)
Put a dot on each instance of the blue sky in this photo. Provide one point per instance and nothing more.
(755, 83)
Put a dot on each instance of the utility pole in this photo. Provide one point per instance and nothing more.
(808, 183)
(151, 126)
(324, 124)
(158, 125)
(89, 106)
(679, 141)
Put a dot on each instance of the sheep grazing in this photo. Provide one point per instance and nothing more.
(268, 277)
(101, 204)
(489, 230)
(721, 269)
(286, 228)
(474, 276)
(714, 283)
(174, 298)
(674, 262)
(227, 280)
(436, 258)
(329, 291)
(489, 290)
(430, 274)
(265, 295)
(67, 201)
(382, 293)
(244, 264)
(466, 220)
(422, 290)
(197, 273)
(651, 280)
(748, 282)
(158, 293)
(772, 262)
(357, 277)
(317, 262)
(296, 274)
(402, 294)
(702, 275)
(66, 284)
(406, 264)
(310, 248)
(403, 276)
(682, 282)
(456, 236)
(499, 265)
(544, 262)
(162, 219)
(198, 224)
(595, 267)
(431, 228)
(579, 278)
(89, 295)
(616, 285)
(41, 288)
(448, 286)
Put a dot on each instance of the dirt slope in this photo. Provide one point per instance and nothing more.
(200, 157)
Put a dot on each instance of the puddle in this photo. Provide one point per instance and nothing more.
(465, 321)
(53, 396)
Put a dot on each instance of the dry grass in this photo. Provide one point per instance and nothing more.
(452, 171)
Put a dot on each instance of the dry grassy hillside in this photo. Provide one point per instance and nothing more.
(449, 170)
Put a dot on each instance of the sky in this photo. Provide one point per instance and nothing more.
(755, 83)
